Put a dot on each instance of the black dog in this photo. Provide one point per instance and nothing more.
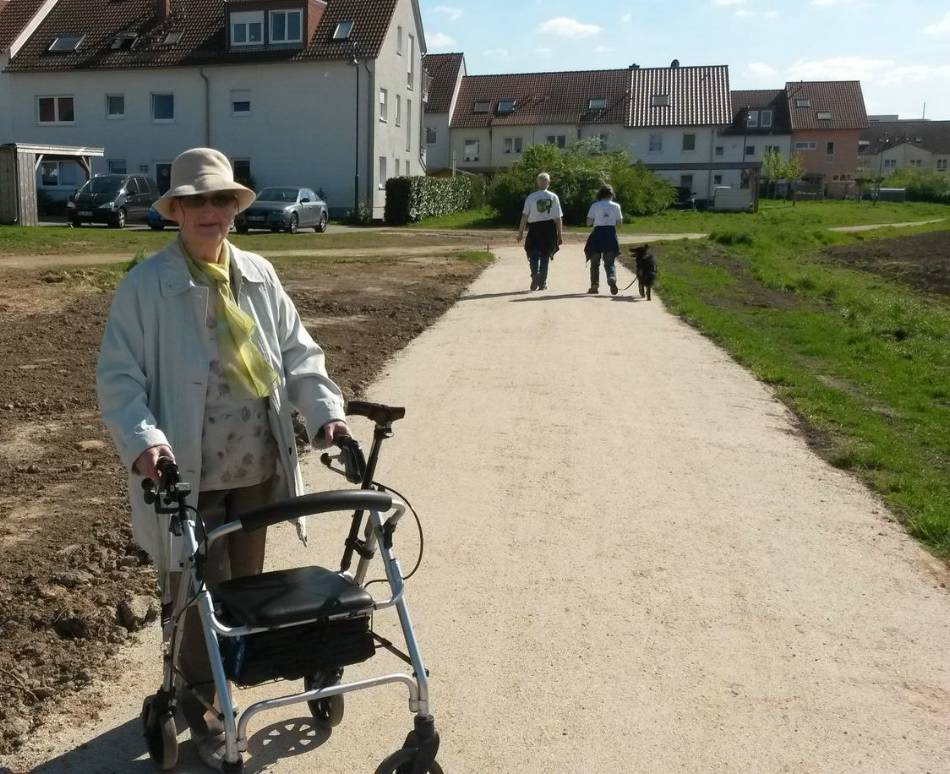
(646, 269)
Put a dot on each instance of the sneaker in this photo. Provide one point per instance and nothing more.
(593, 289)
(613, 288)
(534, 282)
(543, 286)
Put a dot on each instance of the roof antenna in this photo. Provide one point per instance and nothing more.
(924, 116)
(675, 63)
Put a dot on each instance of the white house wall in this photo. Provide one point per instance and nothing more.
(439, 153)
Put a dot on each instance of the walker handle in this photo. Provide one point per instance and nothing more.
(318, 502)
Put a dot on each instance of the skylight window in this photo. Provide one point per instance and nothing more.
(343, 30)
(64, 44)
(482, 106)
(597, 103)
(506, 106)
(660, 100)
(173, 38)
(824, 115)
(125, 41)
(803, 102)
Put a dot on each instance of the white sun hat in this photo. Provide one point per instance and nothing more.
(203, 171)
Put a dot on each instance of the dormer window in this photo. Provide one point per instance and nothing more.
(803, 102)
(286, 27)
(752, 119)
(660, 100)
(765, 119)
(343, 30)
(824, 115)
(597, 103)
(173, 38)
(125, 41)
(482, 106)
(247, 28)
(65, 44)
(506, 106)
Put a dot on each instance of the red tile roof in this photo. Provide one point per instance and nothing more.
(697, 96)
(443, 70)
(843, 99)
(543, 98)
(203, 41)
(14, 16)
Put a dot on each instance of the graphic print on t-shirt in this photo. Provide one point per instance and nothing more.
(544, 205)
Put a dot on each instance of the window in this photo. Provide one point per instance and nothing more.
(830, 148)
(752, 119)
(56, 110)
(286, 26)
(686, 181)
(124, 42)
(941, 165)
(398, 110)
(717, 179)
(660, 100)
(399, 40)
(59, 174)
(411, 62)
(765, 119)
(115, 106)
(396, 167)
(343, 30)
(656, 143)
(890, 163)
(383, 106)
(518, 145)
(803, 102)
(809, 145)
(408, 125)
(509, 144)
(382, 172)
(824, 115)
(163, 107)
(915, 162)
(720, 150)
(773, 149)
(240, 102)
(173, 38)
(471, 150)
(117, 166)
(560, 140)
(432, 136)
(689, 142)
(481, 106)
(603, 140)
(749, 150)
(506, 106)
(65, 44)
(242, 171)
(597, 103)
(247, 28)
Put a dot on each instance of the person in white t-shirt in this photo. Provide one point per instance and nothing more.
(542, 215)
(604, 215)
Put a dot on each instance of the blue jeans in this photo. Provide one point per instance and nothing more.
(539, 266)
(610, 267)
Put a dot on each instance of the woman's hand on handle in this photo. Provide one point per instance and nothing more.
(147, 463)
(333, 430)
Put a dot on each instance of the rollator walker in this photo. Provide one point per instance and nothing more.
(305, 623)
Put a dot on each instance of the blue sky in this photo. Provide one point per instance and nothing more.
(900, 51)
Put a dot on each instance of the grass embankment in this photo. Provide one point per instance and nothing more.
(864, 361)
(801, 214)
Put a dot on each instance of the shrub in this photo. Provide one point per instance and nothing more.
(922, 185)
(731, 237)
(413, 198)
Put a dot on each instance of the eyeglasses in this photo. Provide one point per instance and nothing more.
(219, 201)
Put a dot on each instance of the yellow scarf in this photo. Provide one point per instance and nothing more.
(248, 373)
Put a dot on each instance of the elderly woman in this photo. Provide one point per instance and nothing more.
(542, 215)
(604, 215)
(202, 360)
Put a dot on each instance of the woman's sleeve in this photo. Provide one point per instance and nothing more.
(590, 213)
(121, 380)
(310, 389)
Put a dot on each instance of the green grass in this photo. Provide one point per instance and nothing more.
(864, 362)
(800, 215)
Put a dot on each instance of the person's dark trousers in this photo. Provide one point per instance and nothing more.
(539, 267)
(610, 268)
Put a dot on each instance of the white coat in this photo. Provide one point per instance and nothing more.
(153, 369)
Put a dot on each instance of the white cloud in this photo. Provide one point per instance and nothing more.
(728, 2)
(940, 29)
(500, 53)
(771, 14)
(439, 40)
(565, 27)
(543, 51)
(744, 14)
(626, 18)
(885, 72)
(762, 70)
(603, 50)
(453, 14)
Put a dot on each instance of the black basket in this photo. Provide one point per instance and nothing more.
(297, 651)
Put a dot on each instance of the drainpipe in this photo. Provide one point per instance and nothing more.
(201, 72)
(370, 128)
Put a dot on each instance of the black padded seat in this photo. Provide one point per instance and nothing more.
(289, 596)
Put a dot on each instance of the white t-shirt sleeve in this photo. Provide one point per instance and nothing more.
(556, 207)
(618, 214)
(526, 210)
(592, 212)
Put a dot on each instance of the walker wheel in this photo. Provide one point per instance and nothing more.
(401, 761)
(161, 736)
(327, 713)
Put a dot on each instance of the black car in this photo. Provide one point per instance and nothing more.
(112, 199)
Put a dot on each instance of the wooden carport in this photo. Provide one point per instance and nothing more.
(19, 162)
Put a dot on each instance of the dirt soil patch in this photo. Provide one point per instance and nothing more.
(921, 260)
(73, 585)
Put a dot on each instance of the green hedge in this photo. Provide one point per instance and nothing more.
(410, 199)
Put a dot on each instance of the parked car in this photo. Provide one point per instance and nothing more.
(156, 221)
(285, 209)
(112, 199)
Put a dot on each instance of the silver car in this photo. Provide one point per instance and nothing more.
(284, 209)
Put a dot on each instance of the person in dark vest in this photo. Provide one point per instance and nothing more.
(602, 245)
(646, 270)
(542, 215)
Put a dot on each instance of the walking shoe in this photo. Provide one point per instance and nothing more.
(534, 282)
(543, 286)
(593, 289)
(613, 287)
